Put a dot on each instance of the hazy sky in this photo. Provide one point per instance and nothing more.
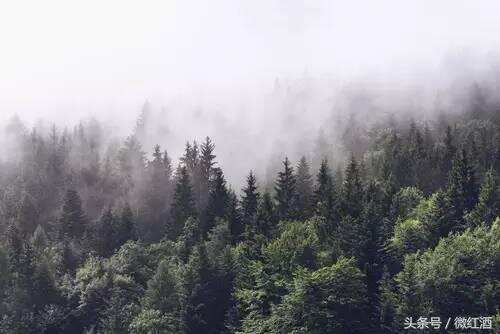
(74, 58)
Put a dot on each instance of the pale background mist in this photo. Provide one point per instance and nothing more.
(217, 67)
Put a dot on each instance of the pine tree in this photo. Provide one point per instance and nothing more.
(304, 190)
(250, 202)
(191, 158)
(141, 126)
(234, 218)
(416, 156)
(324, 192)
(157, 196)
(131, 158)
(183, 204)
(488, 206)
(352, 191)
(125, 226)
(165, 294)
(14, 242)
(286, 195)
(27, 215)
(207, 163)
(72, 222)
(198, 275)
(217, 201)
(461, 192)
(448, 154)
(104, 237)
(266, 217)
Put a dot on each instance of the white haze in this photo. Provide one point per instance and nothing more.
(210, 67)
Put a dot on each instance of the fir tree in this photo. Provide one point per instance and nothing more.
(286, 195)
(324, 192)
(125, 226)
(304, 190)
(488, 206)
(157, 196)
(234, 218)
(73, 221)
(250, 202)
(217, 201)
(266, 217)
(104, 237)
(461, 191)
(27, 215)
(352, 192)
(183, 204)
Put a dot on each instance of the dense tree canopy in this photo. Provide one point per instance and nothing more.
(99, 237)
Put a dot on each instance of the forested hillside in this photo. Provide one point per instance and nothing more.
(99, 237)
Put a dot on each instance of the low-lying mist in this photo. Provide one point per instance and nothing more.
(255, 126)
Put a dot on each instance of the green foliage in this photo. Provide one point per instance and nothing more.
(183, 204)
(250, 202)
(286, 192)
(297, 245)
(304, 190)
(324, 198)
(165, 292)
(404, 231)
(329, 300)
(72, 222)
(458, 277)
(153, 321)
(410, 235)
(488, 206)
(352, 191)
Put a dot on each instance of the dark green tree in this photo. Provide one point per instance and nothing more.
(324, 197)
(488, 207)
(461, 192)
(73, 221)
(250, 202)
(352, 191)
(217, 202)
(182, 206)
(304, 187)
(124, 229)
(286, 192)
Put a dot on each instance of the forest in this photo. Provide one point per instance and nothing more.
(101, 237)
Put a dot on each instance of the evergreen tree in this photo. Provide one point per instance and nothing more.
(198, 275)
(103, 234)
(142, 123)
(286, 194)
(183, 204)
(157, 196)
(234, 217)
(124, 229)
(461, 191)
(250, 202)
(304, 190)
(165, 294)
(191, 159)
(207, 163)
(448, 154)
(488, 206)
(72, 222)
(266, 217)
(131, 161)
(27, 215)
(324, 193)
(352, 191)
(217, 202)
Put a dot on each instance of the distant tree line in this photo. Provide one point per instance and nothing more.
(101, 239)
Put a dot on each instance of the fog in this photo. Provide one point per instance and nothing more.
(260, 77)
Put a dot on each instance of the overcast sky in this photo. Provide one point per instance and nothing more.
(74, 58)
